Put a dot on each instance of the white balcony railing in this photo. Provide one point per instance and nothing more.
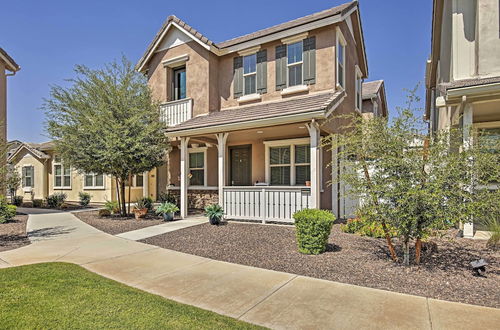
(175, 112)
(265, 203)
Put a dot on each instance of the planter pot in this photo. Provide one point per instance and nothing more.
(214, 220)
(168, 216)
(308, 183)
(140, 213)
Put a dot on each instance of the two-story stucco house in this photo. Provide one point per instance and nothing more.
(245, 116)
(463, 72)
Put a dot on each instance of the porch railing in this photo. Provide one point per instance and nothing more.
(175, 112)
(265, 203)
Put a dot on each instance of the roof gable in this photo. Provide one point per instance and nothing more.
(9, 61)
(26, 147)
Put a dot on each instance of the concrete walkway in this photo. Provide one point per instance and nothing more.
(273, 299)
(136, 235)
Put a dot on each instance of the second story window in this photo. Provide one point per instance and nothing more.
(179, 83)
(294, 52)
(359, 86)
(250, 74)
(340, 60)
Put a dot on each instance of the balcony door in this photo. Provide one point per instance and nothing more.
(240, 165)
(179, 83)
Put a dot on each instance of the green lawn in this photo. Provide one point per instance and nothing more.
(61, 295)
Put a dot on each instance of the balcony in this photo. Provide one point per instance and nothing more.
(175, 112)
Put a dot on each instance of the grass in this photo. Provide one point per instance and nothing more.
(61, 295)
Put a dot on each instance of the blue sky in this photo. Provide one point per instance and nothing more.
(47, 38)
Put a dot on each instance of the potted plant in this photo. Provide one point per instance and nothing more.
(167, 210)
(214, 213)
(140, 209)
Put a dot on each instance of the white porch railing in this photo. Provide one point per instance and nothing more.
(175, 112)
(265, 203)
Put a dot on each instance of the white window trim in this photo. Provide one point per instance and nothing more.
(343, 42)
(94, 187)
(288, 65)
(32, 175)
(205, 176)
(283, 143)
(54, 164)
(358, 76)
(254, 73)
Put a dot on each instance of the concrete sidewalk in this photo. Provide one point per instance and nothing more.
(136, 235)
(273, 299)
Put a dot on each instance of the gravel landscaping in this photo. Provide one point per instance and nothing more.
(13, 233)
(444, 274)
(116, 224)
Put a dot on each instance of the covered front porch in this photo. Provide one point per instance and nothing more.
(262, 174)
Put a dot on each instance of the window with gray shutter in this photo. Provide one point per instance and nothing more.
(281, 67)
(262, 72)
(238, 77)
(309, 59)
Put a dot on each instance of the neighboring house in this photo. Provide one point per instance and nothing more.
(463, 72)
(245, 116)
(374, 99)
(43, 173)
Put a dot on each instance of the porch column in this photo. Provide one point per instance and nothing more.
(184, 176)
(221, 146)
(468, 230)
(145, 184)
(315, 135)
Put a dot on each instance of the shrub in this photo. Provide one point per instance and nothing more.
(17, 200)
(166, 208)
(104, 213)
(56, 200)
(84, 198)
(312, 230)
(112, 206)
(144, 203)
(37, 202)
(493, 226)
(168, 197)
(363, 227)
(7, 211)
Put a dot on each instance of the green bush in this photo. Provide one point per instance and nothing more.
(17, 200)
(493, 226)
(84, 198)
(362, 227)
(145, 203)
(56, 200)
(112, 206)
(37, 202)
(7, 211)
(312, 230)
(168, 197)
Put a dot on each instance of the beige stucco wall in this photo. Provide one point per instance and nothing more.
(40, 175)
(488, 38)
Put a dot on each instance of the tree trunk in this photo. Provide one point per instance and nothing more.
(129, 190)
(117, 183)
(123, 206)
(406, 249)
(418, 249)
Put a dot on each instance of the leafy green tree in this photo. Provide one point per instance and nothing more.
(106, 122)
(414, 182)
(12, 181)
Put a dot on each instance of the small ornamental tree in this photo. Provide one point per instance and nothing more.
(12, 181)
(412, 182)
(106, 122)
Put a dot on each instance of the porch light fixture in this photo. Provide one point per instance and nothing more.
(302, 127)
(479, 267)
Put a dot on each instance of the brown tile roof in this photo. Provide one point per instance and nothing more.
(31, 148)
(293, 106)
(341, 9)
(371, 87)
(468, 83)
(11, 64)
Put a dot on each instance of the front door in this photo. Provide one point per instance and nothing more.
(241, 165)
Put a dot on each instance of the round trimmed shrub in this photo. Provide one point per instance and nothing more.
(312, 230)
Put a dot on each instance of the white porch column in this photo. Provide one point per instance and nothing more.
(145, 184)
(468, 230)
(315, 135)
(221, 145)
(184, 176)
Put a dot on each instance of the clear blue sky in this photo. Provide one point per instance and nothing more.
(47, 38)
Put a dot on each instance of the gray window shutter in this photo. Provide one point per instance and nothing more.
(281, 62)
(238, 76)
(32, 176)
(309, 57)
(262, 71)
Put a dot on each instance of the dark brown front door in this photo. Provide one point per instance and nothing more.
(241, 165)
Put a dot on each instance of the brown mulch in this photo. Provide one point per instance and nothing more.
(116, 224)
(13, 233)
(364, 261)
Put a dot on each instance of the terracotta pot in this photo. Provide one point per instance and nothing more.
(140, 213)
(308, 183)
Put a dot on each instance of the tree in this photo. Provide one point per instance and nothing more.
(412, 181)
(106, 122)
(12, 182)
